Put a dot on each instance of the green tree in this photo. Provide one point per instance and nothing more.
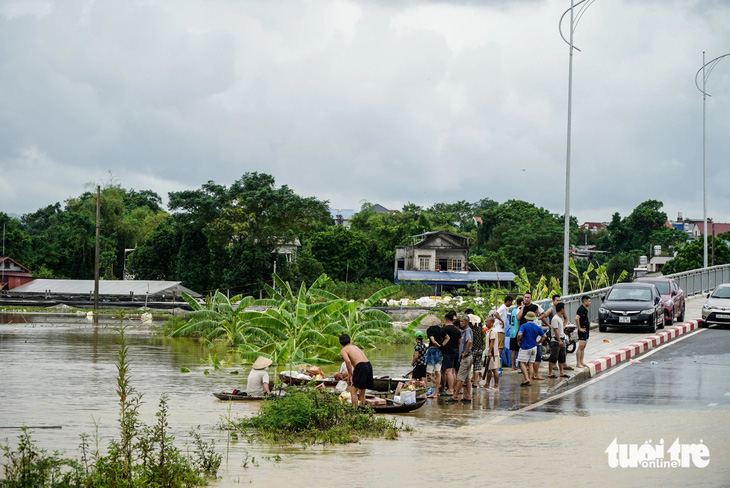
(342, 252)
(63, 238)
(621, 264)
(385, 232)
(234, 230)
(453, 217)
(691, 256)
(306, 267)
(18, 244)
(156, 257)
(526, 236)
(646, 218)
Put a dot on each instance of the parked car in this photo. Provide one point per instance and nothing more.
(631, 305)
(672, 298)
(717, 308)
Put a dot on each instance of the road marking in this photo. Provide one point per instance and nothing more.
(592, 380)
(712, 404)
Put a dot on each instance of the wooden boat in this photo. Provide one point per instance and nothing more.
(229, 396)
(387, 384)
(393, 407)
(328, 382)
(391, 394)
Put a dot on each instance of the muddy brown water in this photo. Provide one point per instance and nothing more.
(60, 370)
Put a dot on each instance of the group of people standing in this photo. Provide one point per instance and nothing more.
(463, 354)
(455, 358)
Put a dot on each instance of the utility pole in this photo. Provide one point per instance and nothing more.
(96, 253)
(2, 282)
(710, 65)
(574, 19)
(713, 243)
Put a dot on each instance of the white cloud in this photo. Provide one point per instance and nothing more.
(22, 8)
(30, 175)
(384, 101)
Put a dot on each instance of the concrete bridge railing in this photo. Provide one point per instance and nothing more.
(694, 282)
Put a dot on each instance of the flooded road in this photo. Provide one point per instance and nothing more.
(61, 371)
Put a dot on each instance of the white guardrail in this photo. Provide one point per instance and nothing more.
(695, 282)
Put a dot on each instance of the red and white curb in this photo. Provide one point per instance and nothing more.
(633, 350)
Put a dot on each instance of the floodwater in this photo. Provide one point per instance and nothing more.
(60, 370)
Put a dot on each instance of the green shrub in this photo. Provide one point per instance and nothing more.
(28, 466)
(311, 416)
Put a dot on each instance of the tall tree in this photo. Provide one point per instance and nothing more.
(17, 242)
(342, 252)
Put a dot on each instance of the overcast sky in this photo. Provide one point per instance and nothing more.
(380, 101)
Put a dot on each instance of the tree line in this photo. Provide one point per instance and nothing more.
(222, 237)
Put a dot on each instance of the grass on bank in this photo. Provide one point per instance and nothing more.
(310, 416)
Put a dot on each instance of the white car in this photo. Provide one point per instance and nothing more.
(717, 308)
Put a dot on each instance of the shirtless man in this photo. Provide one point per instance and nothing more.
(359, 369)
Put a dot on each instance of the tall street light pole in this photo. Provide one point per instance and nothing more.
(705, 74)
(574, 19)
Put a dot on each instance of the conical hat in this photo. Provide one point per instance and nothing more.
(262, 363)
(430, 320)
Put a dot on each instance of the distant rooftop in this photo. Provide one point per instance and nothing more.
(453, 277)
(116, 288)
(344, 212)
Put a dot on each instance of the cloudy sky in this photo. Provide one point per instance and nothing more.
(380, 101)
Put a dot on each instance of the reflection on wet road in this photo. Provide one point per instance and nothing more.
(61, 372)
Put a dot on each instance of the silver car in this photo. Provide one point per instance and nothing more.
(717, 308)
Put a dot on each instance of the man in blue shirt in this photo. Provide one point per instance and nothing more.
(527, 337)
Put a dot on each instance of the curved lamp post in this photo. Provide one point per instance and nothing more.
(706, 69)
(574, 19)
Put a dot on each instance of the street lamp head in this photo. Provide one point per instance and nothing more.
(584, 4)
(706, 69)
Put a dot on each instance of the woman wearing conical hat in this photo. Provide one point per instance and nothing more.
(258, 378)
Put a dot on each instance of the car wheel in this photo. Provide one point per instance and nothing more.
(681, 315)
(602, 328)
(663, 322)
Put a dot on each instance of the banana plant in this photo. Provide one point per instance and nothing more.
(283, 294)
(543, 289)
(221, 318)
(295, 329)
(364, 326)
(593, 278)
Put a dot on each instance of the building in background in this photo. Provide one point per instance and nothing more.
(13, 274)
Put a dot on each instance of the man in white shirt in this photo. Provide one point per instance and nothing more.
(500, 323)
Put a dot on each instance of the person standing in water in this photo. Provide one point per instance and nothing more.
(359, 369)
